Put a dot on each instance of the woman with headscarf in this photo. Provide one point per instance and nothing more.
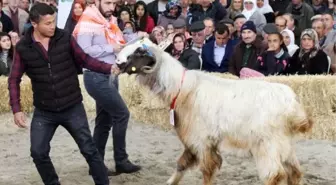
(77, 10)
(172, 13)
(252, 13)
(187, 56)
(309, 58)
(235, 9)
(289, 40)
(266, 10)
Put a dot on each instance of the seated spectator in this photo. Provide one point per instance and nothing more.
(289, 41)
(320, 28)
(124, 15)
(279, 6)
(170, 29)
(330, 33)
(275, 59)
(7, 24)
(6, 54)
(78, 8)
(143, 22)
(209, 27)
(129, 31)
(158, 34)
(24, 5)
(188, 57)
(235, 9)
(291, 24)
(180, 27)
(172, 13)
(266, 10)
(309, 59)
(331, 52)
(252, 14)
(319, 6)
(217, 53)
(302, 13)
(281, 23)
(268, 29)
(18, 16)
(246, 52)
(206, 8)
(239, 20)
(197, 30)
(156, 8)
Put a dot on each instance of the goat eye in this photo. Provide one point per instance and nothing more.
(128, 57)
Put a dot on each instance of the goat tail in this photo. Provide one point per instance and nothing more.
(302, 120)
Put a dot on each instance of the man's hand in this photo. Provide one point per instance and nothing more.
(117, 47)
(20, 119)
(115, 69)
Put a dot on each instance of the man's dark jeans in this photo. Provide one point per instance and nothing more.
(74, 120)
(111, 111)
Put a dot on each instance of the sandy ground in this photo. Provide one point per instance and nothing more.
(156, 150)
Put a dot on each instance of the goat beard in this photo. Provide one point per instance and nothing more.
(150, 81)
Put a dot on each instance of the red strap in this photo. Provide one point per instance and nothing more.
(172, 105)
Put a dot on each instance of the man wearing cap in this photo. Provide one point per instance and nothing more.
(238, 22)
(268, 29)
(247, 51)
(198, 36)
(217, 53)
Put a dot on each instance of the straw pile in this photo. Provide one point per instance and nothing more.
(25, 95)
(318, 93)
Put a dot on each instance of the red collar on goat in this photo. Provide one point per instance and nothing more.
(172, 105)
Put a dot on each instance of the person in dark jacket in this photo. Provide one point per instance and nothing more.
(180, 50)
(273, 61)
(49, 56)
(7, 24)
(6, 54)
(246, 52)
(207, 8)
(217, 53)
(156, 8)
(309, 58)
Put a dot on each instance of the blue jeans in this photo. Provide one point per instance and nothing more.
(111, 111)
(74, 120)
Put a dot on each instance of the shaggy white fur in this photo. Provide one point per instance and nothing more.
(254, 116)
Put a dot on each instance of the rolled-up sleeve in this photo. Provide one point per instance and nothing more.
(94, 50)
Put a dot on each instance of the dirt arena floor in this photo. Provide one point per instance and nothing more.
(154, 149)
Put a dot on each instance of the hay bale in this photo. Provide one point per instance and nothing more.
(318, 94)
(25, 92)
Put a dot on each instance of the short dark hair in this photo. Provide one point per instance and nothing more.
(221, 28)
(38, 10)
(326, 13)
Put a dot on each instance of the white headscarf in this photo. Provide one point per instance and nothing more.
(249, 13)
(292, 47)
(266, 8)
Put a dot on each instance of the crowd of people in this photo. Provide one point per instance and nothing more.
(246, 38)
(260, 37)
(209, 35)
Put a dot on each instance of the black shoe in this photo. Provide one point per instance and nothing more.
(109, 172)
(127, 167)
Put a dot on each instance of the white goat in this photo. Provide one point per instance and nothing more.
(256, 116)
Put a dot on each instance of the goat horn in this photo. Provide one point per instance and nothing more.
(147, 69)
